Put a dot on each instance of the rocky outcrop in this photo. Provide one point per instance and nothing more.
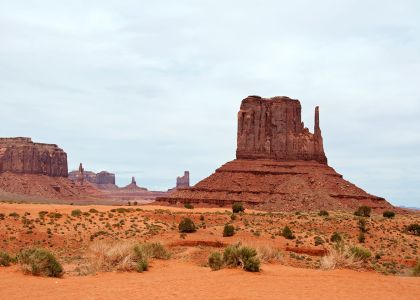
(21, 155)
(101, 180)
(280, 166)
(183, 181)
(273, 129)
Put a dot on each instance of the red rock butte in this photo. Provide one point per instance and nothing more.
(21, 155)
(279, 165)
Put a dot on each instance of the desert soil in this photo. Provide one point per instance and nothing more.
(295, 275)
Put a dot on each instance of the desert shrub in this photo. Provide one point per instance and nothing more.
(360, 253)
(76, 213)
(389, 214)
(1, 216)
(93, 211)
(287, 233)
(215, 261)
(186, 225)
(5, 259)
(42, 214)
(252, 264)
(416, 270)
(233, 217)
(414, 229)
(246, 257)
(228, 230)
(14, 215)
(238, 207)
(336, 237)
(361, 238)
(39, 261)
(201, 217)
(363, 211)
(55, 215)
(362, 224)
(231, 256)
(323, 213)
(318, 240)
(188, 206)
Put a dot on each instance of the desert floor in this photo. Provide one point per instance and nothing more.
(295, 275)
(177, 280)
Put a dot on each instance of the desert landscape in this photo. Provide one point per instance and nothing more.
(272, 222)
(209, 150)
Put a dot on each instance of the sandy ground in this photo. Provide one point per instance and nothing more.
(175, 280)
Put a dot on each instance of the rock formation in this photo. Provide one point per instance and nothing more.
(280, 165)
(21, 155)
(102, 180)
(272, 129)
(183, 181)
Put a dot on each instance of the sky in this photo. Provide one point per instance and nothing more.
(152, 88)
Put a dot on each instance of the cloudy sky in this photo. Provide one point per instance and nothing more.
(152, 88)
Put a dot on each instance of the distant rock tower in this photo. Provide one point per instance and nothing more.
(81, 174)
(183, 181)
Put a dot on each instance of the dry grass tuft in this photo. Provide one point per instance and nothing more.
(269, 254)
(124, 255)
(341, 256)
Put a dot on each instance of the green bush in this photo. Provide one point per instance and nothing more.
(336, 237)
(236, 255)
(76, 213)
(363, 211)
(323, 213)
(5, 259)
(414, 229)
(252, 264)
(416, 270)
(186, 225)
(39, 261)
(228, 230)
(361, 238)
(231, 256)
(389, 214)
(360, 253)
(287, 233)
(188, 206)
(362, 224)
(318, 240)
(215, 261)
(237, 207)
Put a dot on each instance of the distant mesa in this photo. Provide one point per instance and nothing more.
(102, 180)
(37, 170)
(21, 155)
(279, 165)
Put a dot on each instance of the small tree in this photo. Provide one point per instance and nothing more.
(287, 233)
(389, 214)
(228, 230)
(336, 237)
(363, 211)
(237, 207)
(186, 225)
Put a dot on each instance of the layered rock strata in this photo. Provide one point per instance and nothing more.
(21, 155)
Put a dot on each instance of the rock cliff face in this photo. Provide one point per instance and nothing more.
(280, 166)
(273, 129)
(21, 155)
(102, 180)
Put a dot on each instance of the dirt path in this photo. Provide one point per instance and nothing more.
(176, 280)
